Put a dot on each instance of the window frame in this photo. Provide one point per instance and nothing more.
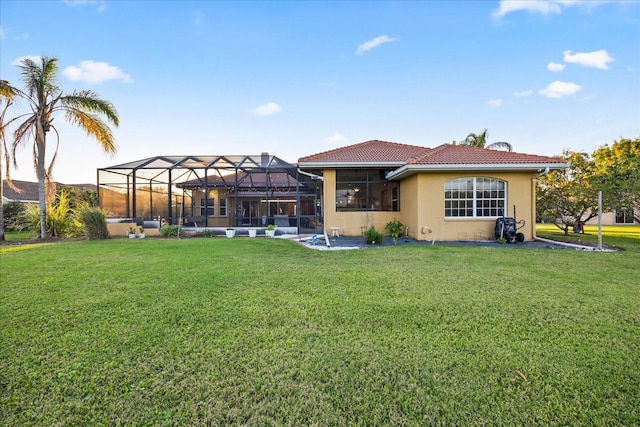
(467, 196)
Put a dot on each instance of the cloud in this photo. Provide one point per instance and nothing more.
(266, 109)
(18, 61)
(540, 6)
(95, 72)
(597, 59)
(198, 18)
(1, 34)
(523, 93)
(543, 7)
(336, 138)
(368, 45)
(494, 102)
(102, 6)
(559, 89)
(554, 66)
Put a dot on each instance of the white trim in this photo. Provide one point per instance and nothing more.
(351, 165)
(494, 167)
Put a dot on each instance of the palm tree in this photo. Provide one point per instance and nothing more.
(480, 141)
(81, 108)
(6, 98)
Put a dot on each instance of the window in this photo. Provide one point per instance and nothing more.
(223, 207)
(624, 216)
(364, 190)
(474, 197)
(395, 200)
(210, 209)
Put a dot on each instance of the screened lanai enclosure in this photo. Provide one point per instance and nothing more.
(213, 191)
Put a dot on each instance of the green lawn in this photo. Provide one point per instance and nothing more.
(266, 332)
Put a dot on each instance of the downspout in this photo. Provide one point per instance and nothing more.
(533, 198)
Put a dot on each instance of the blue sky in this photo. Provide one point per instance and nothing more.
(298, 78)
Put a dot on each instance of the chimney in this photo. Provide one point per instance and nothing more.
(264, 158)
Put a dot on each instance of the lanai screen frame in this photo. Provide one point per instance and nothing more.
(173, 177)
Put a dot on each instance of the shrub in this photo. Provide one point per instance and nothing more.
(11, 213)
(61, 220)
(170, 231)
(394, 228)
(204, 233)
(94, 221)
(372, 236)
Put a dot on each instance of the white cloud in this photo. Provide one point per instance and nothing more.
(198, 18)
(102, 6)
(559, 89)
(540, 6)
(266, 109)
(368, 45)
(543, 7)
(523, 93)
(1, 34)
(494, 102)
(95, 72)
(336, 138)
(18, 61)
(554, 66)
(597, 59)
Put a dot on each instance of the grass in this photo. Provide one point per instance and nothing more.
(266, 332)
(620, 236)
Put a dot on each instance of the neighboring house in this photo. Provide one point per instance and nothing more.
(617, 217)
(27, 191)
(450, 192)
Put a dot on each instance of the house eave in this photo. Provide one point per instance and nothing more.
(408, 170)
(339, 165)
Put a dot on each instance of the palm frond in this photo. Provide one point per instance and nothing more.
(500, 145)
(40, 80)
(93, 126)
(90, 101)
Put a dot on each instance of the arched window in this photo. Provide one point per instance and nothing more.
(475, 197)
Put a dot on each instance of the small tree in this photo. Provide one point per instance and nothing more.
(394, 228)
(566, 196)
(617, 174)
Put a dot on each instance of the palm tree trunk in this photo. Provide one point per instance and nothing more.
(42, 187)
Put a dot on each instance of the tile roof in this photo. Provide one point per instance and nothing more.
(368, 152)
(449, 154)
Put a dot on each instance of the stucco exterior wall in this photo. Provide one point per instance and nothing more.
(422, 208)
(431, 222)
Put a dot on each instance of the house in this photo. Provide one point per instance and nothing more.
(450, 192)
(24, 192)
(27, 191)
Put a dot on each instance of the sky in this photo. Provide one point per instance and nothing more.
(295, 78)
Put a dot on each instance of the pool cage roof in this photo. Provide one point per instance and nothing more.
(261, 175)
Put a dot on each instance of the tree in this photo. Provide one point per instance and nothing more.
(84, 109)
(480, 141)
(617, 175)
(566, 196)
(7, 93)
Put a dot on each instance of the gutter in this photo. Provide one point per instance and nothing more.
(310, 175)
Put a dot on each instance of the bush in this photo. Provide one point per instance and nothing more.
(371, 236)
(170, 231)
(11, 213)
(94, 221)
(61, 221)
(205, 233)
